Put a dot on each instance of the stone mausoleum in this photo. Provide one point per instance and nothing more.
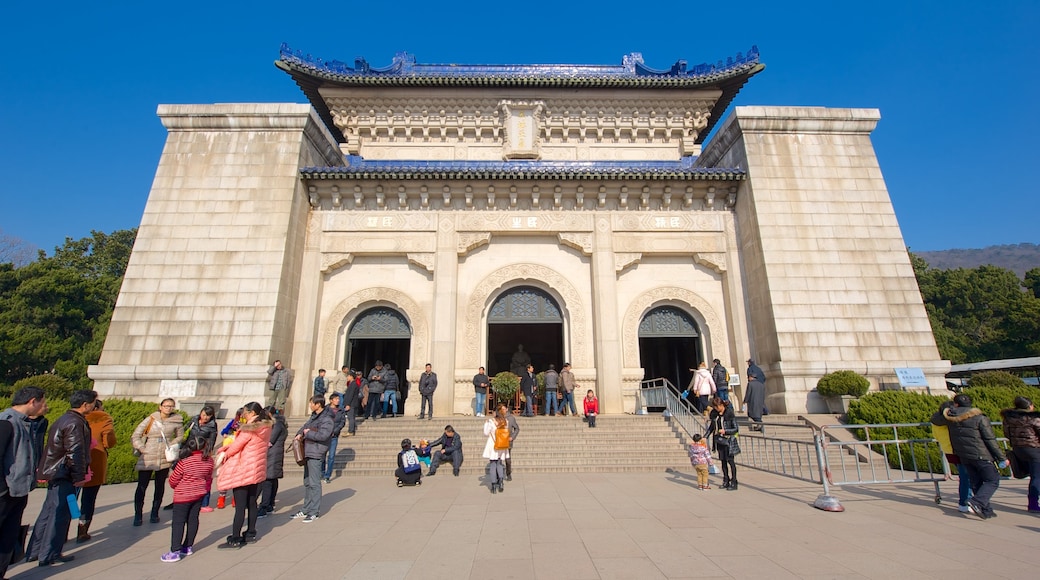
(448, 214)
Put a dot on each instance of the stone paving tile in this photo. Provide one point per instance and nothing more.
(574, 526)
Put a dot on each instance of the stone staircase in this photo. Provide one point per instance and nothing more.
(619, 443)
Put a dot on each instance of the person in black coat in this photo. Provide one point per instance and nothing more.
(722, 422)
(275, 462)
(451, 450)
(527, 387)
(351, 401)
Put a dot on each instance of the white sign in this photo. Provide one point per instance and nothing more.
(178, 388)
(911, 377)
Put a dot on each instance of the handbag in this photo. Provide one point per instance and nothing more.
(173, 452)
(734, 447)
(298, 451)
(1018, 471)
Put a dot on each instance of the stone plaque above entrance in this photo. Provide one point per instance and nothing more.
(522, 122)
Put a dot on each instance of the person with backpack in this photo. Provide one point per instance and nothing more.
(409, 468)
(496, 450)
(720, 375)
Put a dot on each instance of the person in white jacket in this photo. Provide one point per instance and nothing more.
(702, 386)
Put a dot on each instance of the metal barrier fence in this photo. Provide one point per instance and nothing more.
(830, 455)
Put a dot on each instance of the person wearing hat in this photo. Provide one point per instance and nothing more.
(755, 395)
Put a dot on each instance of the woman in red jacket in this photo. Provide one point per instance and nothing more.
(243, 469)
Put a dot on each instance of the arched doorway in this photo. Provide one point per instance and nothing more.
(379, 333)
(526, 316)
(669, 345)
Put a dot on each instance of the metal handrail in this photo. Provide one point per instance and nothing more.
(661, 392)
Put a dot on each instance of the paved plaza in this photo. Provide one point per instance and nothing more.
(574, 526)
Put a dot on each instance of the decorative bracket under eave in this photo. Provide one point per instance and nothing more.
(623, 260)
(471, 241)
(714, 260)
(331, 262)
(423, 259)
(580, 242)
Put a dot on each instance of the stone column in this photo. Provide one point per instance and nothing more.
(445, 316)
(606, 321)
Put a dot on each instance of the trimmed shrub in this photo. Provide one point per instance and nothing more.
(56, 387)
(505, 385)
(996, 379)
(842, 383)
(899, 407)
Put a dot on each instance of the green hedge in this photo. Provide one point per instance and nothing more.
(842, 383)
(126, 415)
(914, 407)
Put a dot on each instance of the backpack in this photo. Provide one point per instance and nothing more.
(410, 461)
(502, 438)
(727, 378)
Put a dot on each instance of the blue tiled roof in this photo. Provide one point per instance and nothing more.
(356, 167)
(405, 70)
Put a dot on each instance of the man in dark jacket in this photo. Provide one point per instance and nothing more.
(18, 471)
(718, 374)
(339, 420)
(527, 387)
(376, 386)
(427, 386)
(65, 466)
(514, 430)
(451, 450)
(316, 433)
(350, 401)
(973, 441)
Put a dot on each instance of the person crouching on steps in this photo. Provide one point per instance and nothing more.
(190, 480)
(409, 468)
(700, 457)
(591, 408)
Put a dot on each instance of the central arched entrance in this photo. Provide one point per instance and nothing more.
(379, 333)
(526, 316)
(669, 345)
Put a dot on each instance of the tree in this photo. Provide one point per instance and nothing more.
(54, 312)
(15, 251)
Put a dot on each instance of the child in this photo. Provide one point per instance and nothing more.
(700, 457)
(409, 469)
(228, 432)
(190, 480)
(424, 452)
(591, 408)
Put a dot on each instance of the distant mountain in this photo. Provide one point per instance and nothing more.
(1016, 257)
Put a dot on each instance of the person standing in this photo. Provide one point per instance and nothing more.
(339, 420)
(190, 479)
(350, 401)
(514, 430)
(942, 435)
(275, 462)
(973, 441)
(481, 383)
(1022, 428)
(527, 387)
(152, 436)
(243, 467)
(279, 381)
(496, 449)
(338, 384)
(720, 375)
(722, 422)
(315, 433)
(390, 393)
(103, 438)
(568, 386)
(65, 466)
(702, 386)
(755, 395)
(427, 386)
(20, 458)
(321, 386)
(376, 388)
(552, 389)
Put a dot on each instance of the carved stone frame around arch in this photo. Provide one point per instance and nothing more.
(336, 324)
(698, 308)
(556, 284)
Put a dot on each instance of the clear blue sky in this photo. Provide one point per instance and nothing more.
(79, 138)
